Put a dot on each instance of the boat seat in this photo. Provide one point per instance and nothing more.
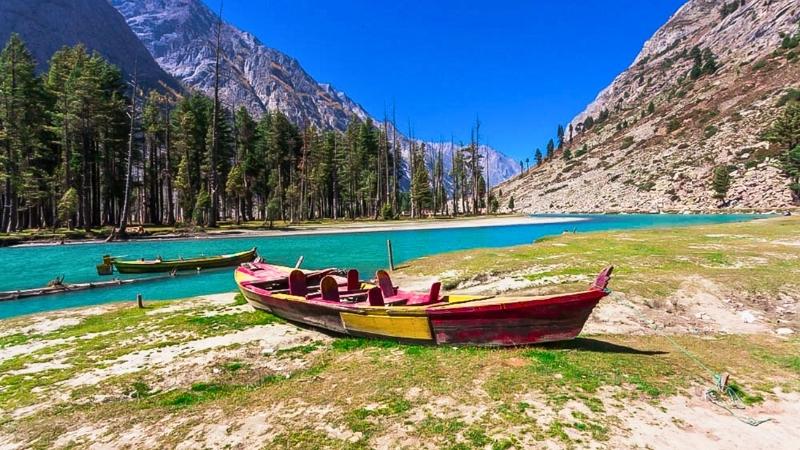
(297, 283)
(432, 297)
(353, 282)
(375, 297)
(329, 289)
(385, 283)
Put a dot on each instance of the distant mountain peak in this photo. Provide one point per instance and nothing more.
(180, 35)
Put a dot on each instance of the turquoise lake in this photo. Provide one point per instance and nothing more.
(30, 267)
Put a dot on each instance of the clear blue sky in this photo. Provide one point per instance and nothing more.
(522, 66)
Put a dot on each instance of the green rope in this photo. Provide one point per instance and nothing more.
(720, 388)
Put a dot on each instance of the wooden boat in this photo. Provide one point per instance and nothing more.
(168, 265)
(60, 287)
(353, 307)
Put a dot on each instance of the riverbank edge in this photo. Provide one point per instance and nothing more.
(310, 229)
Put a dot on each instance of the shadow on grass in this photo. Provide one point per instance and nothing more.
(593, 345)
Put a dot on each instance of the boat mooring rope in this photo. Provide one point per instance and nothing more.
(721, 393)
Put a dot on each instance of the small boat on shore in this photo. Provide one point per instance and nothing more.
(59, 287)
(350, 306)
(168, 265)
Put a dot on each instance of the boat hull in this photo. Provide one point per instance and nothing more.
(534, 321)
(487, 321)
(188, 264)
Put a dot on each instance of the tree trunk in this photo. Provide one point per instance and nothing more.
(123, 219)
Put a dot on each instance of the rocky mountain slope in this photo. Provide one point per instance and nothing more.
(660, 130)
(180, 34)
(48, 25)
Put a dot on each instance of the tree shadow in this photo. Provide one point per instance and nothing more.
(594, 345)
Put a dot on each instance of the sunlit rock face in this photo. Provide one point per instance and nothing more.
(662, 158)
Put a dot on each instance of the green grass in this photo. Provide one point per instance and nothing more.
(372, 387)
(650, 263)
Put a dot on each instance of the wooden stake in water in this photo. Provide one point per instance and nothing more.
(299, 262)
(391, 254)
(139, 301)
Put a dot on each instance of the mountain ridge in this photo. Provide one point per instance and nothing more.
(666, 126)
(48, 25)
(180, 36)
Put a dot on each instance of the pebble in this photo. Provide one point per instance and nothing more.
(747, 317)
(784, 331)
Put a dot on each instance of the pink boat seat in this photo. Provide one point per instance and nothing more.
(397, 297)
(375, 297)
(297, 283)
(421, 299)
(385, 283)
(329, 289)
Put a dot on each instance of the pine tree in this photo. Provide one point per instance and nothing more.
(791, 165)
(235, 188)
(538, 157)
(560, 136)
(420, 184)
(21, 133)
(550, 149)
(785, 132)
(184, 187)
(67, 207)
(721, 181)
(710, 62)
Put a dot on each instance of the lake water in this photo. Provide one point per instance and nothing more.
(30, 267)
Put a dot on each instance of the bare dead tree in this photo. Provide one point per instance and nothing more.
(395, 159)
(123, 219)
(214, 176)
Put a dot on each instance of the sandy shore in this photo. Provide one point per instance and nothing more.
(343, 227)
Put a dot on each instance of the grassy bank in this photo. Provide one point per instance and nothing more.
(760, 257)
(348, 393)
(213, 373)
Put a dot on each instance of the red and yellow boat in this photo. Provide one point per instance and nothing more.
(348, 305)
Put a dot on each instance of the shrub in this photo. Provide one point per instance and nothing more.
(646, 186)
(791, 95)
(673, 125)
(760, 64)
(386, 212)
(627, 142)
(494, 205)
(710, 131)
(728, 8)
(791, 41)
